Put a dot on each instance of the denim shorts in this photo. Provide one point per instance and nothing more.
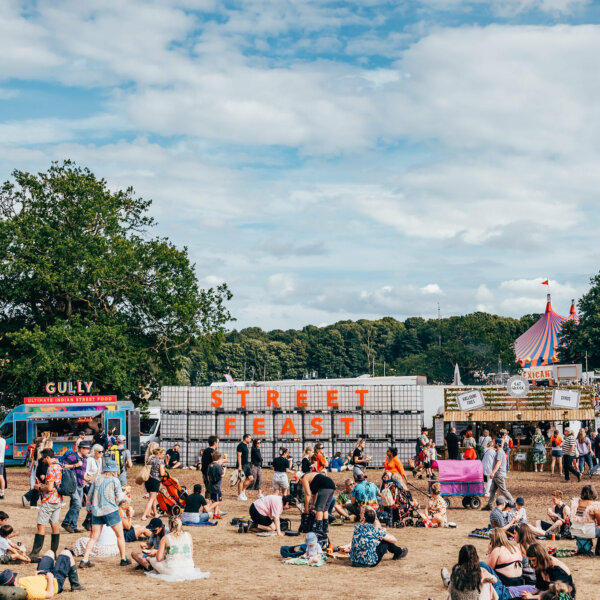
(110, 520)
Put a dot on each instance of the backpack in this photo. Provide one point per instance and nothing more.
(117, 456)
(584, 545)
(285, 524)
(68, 484)
(213, 475)
(292, 551)
(387, 498)
(307, 520)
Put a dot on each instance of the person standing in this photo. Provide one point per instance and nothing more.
(2, 471)
(318, 494)
(206, 459)
(80, 438)
(485, 438)
(157, 470)
(584, 449)
(49, 512)
(122, 457)
(556, 452)
(243, 466)
(568, 455)
(452, 442)
(539, 450)
(101, 438)
(359, 460)
(256, 462)
(76, 461)
(498, 475)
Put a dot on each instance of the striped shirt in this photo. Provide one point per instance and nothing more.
(568, 445)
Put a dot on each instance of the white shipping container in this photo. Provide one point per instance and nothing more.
(260, 425)
(199, 399)
(288, 426)
(173, 426)
(230, 426)
(194, 451)
(202, 426)
(377, 425)
(377, 451)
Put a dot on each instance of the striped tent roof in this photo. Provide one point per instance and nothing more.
(539, 344)
(573, 316)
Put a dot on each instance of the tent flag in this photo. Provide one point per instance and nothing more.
(545, 282)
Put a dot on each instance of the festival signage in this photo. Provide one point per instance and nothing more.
(568, 399)
(68, 399)
(69, 387)
(518, 387)
(470, 400)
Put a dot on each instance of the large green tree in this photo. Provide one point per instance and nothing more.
(87, 293)
(584, 337)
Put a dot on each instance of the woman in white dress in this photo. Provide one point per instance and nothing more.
(174, 559)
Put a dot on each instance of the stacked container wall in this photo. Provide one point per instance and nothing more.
(317, 426)
(377, 426)
(288, 426)
(230, 426)
(260, 425)
(347, 425)
(173, 426)
(202, 426)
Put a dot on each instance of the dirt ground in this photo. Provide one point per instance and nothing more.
(246, 566)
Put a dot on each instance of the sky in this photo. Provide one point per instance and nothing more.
(330, 160)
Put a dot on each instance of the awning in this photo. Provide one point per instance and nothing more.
(64, 414)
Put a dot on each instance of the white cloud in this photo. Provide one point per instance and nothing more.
(432, 288)
(281, 286)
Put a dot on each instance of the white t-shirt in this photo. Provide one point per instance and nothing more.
(2, 449)
(4, 546)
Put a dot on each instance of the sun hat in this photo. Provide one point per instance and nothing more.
(311, 538)
(110, 466)
(7, 577)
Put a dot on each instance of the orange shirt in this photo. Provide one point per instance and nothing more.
(320, 462)
(555, 441)
(394, 466)
(54, 475)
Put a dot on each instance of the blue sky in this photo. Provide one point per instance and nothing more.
(330, 160)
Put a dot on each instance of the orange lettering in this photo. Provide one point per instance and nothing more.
(229, 425)
(301, 399)
(362, 394)
(346, 421)
(331, 396)
(216, 396)
(317, 427)
(272, 396)
(243, 394)
(259, 426)
(288, 427)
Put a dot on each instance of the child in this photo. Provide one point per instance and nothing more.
(314, 552)
(307, 459)
(520, 515)
(436, 508)
(9, 551)
(215, 479)
(4, 521)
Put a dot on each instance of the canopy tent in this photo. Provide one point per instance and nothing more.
(539, 344)
(573, 316)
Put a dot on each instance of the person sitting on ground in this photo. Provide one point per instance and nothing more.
(103, 502)
(149, 548)
(586, 509)
(393, 464)
(215, 480)
(365, 494)
(174, 559)
(131, 532)
(505, 558)
(469, 580)
(173, 457)
(548, 570)
(196, 508)
(559, 515)
(4, 521)
(306, 465)
(370, 543)
(501, 517)
(524, 537)
(10, 551)
(49, 578)
(266, 512)
(314, 551)
(557, 591)
(343, 503)
(337, 463)
(436, 507)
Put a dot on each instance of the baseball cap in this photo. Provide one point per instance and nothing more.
(500, 500)
(7, 577)
(85, 444)
(520, 500)
(155, 523)
(121, 438)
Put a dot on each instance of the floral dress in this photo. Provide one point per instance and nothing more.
(539, 449)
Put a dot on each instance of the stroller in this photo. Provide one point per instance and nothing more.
(173, 501)
(461, 478)
(403, 512)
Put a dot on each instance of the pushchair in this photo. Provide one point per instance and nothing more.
(403, 512)
(461, 478)
(173, 501)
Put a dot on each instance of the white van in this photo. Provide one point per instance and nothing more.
(149, 427)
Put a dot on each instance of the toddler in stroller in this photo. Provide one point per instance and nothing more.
(400, 507)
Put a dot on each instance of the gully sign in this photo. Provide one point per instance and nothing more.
(69, 387)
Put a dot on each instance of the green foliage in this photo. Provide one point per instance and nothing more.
(577, 339)
(347, 349)
(85, 293)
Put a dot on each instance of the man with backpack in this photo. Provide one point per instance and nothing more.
(77, 462)
(49, 512)
(122, 457)
(101, 438)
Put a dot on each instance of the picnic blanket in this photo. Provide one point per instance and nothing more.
(190, 575)
(304, 562)
(561, 552)
(205, 524)
(482, 533)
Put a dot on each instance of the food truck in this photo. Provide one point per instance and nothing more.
(68, 410)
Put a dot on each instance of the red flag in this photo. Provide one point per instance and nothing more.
(545, 282)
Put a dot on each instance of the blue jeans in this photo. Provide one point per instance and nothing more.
(506, 593)
(60, 569)
(72, 516)
(583, 459)
(123, 478)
